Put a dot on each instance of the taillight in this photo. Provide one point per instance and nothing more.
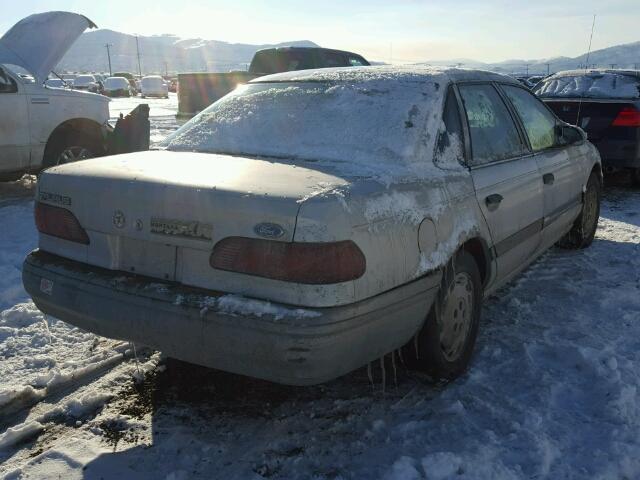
(627, 117)
(59, 222)
(308, 263)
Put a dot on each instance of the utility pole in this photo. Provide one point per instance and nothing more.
(109, 57)
(548, 68)
(166, 69)
(527, 67)
(613, 65)
(138, 50)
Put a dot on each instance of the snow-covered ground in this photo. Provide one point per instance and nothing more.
(553, 391)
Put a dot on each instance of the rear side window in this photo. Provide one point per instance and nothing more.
(356, 62)
(538, 122)
(331, 59)
(493, 133)
(450, 148)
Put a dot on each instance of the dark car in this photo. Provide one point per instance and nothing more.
(286, 59)
(605, 104)
(131, 79)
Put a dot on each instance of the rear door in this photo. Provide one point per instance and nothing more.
(14, 125)
(505, 175)
(560, 166)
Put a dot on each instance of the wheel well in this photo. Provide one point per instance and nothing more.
(478, 249)
(79, 126)
(597, 168)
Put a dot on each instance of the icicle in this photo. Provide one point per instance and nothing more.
(135, 355)
(401, 357)
(370, 376)
(45, 320)
(384, 375)
(395, 373)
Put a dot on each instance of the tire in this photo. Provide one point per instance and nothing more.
(444, 346)
(71, 147)
(584, 228)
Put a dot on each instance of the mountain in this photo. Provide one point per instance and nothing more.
(159, 53)
(621, 56)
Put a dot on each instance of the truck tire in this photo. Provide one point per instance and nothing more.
(71, 147)
(584, 228)
(444, 346)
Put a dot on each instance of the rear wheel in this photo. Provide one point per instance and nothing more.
(444, 346)
(584, 228)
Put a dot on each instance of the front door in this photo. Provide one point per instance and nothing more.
(559, 168)
(506, 178)
(14, 125)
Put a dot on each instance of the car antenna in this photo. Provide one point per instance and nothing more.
(586, 67)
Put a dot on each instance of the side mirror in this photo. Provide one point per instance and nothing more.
(569, 134)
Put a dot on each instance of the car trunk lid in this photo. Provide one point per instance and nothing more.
(594, 116)
(145, 211)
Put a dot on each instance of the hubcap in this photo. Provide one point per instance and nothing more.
(590, 210)
(73, 154)
(456, 315)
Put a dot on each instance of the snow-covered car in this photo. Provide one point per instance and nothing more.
(313, 221)
(606, 104)
(116, 87)
(86, 82)
(154, 86)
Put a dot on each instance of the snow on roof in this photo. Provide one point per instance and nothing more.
(591, 84)
(373, 121)
(401, 73)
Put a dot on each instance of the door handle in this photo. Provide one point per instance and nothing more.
(548, 178)
(493, 201)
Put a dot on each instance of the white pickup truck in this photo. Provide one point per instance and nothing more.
(42, 126)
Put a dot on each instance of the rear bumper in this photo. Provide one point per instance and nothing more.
(280, 343)
(619, 153)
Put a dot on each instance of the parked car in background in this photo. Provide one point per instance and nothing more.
(154, 86)
(606, 105)
(42, 126)
(116, 87)
(55, 83)
(87, 83)
(199, 90)
(311, 222)
(133, 82)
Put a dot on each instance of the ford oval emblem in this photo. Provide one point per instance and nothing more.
(269, 230)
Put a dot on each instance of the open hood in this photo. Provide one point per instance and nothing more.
(38, 42)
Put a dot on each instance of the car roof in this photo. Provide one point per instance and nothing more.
(405, 73)
(577, 73)
(318, 49)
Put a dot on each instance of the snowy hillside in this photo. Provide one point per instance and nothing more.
(159, 51)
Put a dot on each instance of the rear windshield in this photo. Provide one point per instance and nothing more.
(590, 85)
(84, 79)
(116, 82)
(366, 123)
(152, 82)
(282, 61)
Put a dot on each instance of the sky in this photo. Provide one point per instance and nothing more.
(386, 30)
